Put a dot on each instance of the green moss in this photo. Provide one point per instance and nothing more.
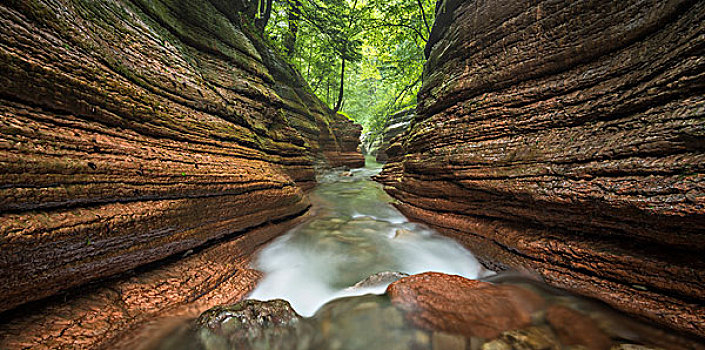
(345, 115)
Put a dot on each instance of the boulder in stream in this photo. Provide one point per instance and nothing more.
(573, 327)
(455, 304)
(249, 324)
(364, 322)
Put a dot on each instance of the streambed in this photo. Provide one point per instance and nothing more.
(355, 233)
(324, 288)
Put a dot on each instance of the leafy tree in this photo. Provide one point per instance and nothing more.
(363, 57)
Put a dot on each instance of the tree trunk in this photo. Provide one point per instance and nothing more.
(308, 64)
(265, 11)
(340, 92)
(294, 16)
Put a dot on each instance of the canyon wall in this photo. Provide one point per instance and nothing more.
(568, 139)
(133, 131)
(376, 144)
(341, 147)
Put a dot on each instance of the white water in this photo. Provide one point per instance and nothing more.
(354, 234)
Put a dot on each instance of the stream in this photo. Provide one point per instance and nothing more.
(333, 271)
(355, 233)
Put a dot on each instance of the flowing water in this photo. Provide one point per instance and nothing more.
(355, 233)
(322, 268)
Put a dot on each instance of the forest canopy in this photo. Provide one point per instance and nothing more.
(362, 57)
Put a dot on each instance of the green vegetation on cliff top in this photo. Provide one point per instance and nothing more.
(377, 45)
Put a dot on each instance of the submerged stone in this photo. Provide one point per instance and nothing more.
(366, 322)
(532, 338)
(249, 324)
(459, 305)
(575, 328)
(381, 278)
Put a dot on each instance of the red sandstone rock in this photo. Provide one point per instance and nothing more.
(133, 131)
(574, 328)
(377, 144)
(115, 155)
(455, 304)
(109, 315)
(567, 138)
(341, 148)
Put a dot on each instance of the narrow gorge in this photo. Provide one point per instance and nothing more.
(164, 163)
(568, 140)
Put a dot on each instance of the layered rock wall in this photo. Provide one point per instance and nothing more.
(377, 144)
(131, 131)
(341, 145)
(567, 138)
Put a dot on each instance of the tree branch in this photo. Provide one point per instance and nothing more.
(423, 14)
(265, 11)
(403, 91)
(387, 24)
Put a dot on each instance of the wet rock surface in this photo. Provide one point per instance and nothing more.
(133, 132)
(574, 328)
(532, 338)
(459, 305)
(391, 321)
(248, 324)
(519, 313)
(566, 138)
(366, 322)
(386, 278)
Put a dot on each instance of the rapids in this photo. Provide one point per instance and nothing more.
(334, 268)
(354, 233)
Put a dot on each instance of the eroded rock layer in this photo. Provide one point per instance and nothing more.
(340, 147)
(126, 311)
(568, 138)
(378, 143)
(131, 131)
